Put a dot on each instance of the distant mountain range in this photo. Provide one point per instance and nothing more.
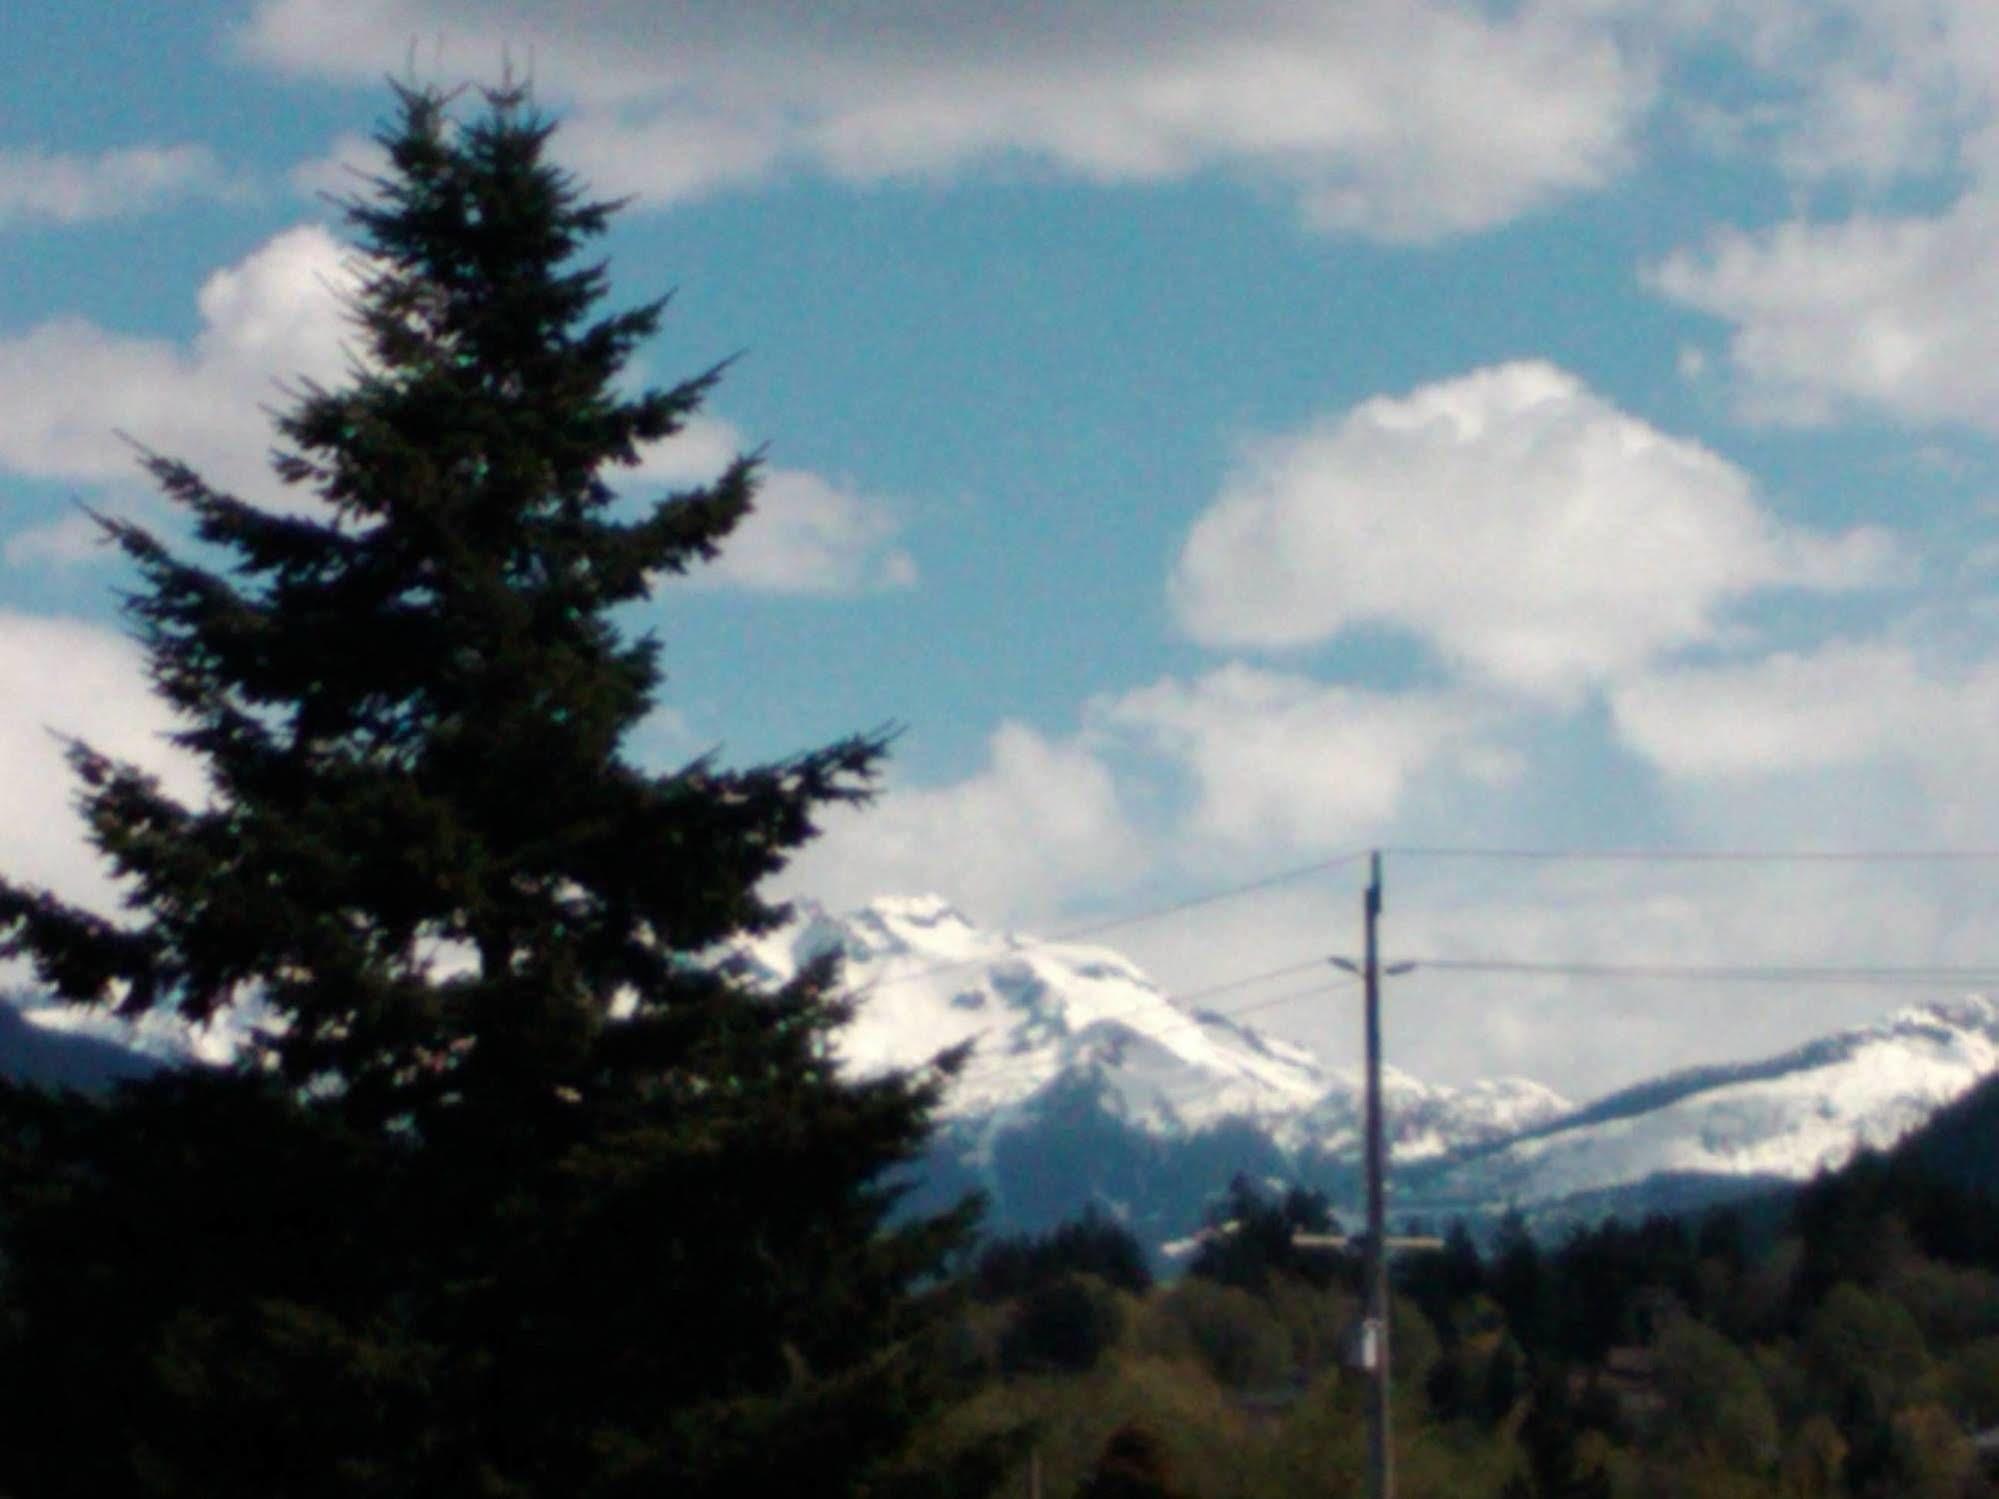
(31, 1052)
(1087, 1083)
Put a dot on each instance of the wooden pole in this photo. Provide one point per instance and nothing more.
(1380, 1462)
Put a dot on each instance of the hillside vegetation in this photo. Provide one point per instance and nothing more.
(1854, 1351)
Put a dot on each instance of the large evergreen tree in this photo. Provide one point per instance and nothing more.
(523, 1191)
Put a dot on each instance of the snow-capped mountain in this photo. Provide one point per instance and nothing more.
(1784, 1118)
(1087, 1080)
(927, 979)
(1038, 1015)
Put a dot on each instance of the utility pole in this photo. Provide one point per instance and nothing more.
(1380, 1461)
(1374, 1321)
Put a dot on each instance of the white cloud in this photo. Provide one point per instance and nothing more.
(64, 188)
(1856, 92)
(1581, 1034)
(807, 534)
(1850, 742)
(1282, 762)
(1880, 307)
(1839, 705)
(1586, 1034)
(1040, 824)
(1899, 314)
(1528, 529)
(67, 387)
(76, 537)
(64, 677)
(1406, 119)
(346, 170)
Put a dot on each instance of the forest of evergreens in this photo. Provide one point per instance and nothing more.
(1843, 1343)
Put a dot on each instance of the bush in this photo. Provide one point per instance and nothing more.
(1066, 1325)
(1095, 1244)
(1232, 1334)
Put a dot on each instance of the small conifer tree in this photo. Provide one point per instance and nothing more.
(522, 1191)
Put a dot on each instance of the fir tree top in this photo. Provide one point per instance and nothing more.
(424, 848)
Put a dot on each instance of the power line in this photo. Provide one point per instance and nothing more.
(1136, 918)
(1087, 930)
(1703, 855)
(1723, 972)
(1213, 897)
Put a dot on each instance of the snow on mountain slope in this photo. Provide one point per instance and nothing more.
(1425, 1120)
(1790, 1116)
(1038, 1013)
(926, 979)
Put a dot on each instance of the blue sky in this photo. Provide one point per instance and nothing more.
(1222, 436)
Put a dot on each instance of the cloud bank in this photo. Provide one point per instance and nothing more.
(1399, 119)
(65, 188)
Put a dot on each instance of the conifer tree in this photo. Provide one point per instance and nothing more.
(523, 1191)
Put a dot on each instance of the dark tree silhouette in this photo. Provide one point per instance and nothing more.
(523, 1192)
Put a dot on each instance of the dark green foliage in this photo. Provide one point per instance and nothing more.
(1438, 1282)
(1502, 1383)
(1955, 1145)
(1518, 1280)
(1234, 1334)
(1554, 1469)
(1066, 1324)
(1133, 1466)
(1844, 1221)
(526, 1194)
(1095, 1244)
(1250, 1239)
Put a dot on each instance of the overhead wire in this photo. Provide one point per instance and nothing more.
(1024, 945)
(1881, 975)
(1088, 930)
(1917, 975)
(1700, 855)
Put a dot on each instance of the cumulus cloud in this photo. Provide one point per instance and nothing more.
(807, 534)
(1040, 824)
(1852, 740)
(68, 387)
(1860, 90)
(46, 187)
(1533, 533)
(1878, 308)
(1897, 314)
(344, 171)
(62, 677)
(1406, 119)
(1283, 762)
(1787, 712)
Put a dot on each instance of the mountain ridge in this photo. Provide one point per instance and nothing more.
(1067, 1028)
